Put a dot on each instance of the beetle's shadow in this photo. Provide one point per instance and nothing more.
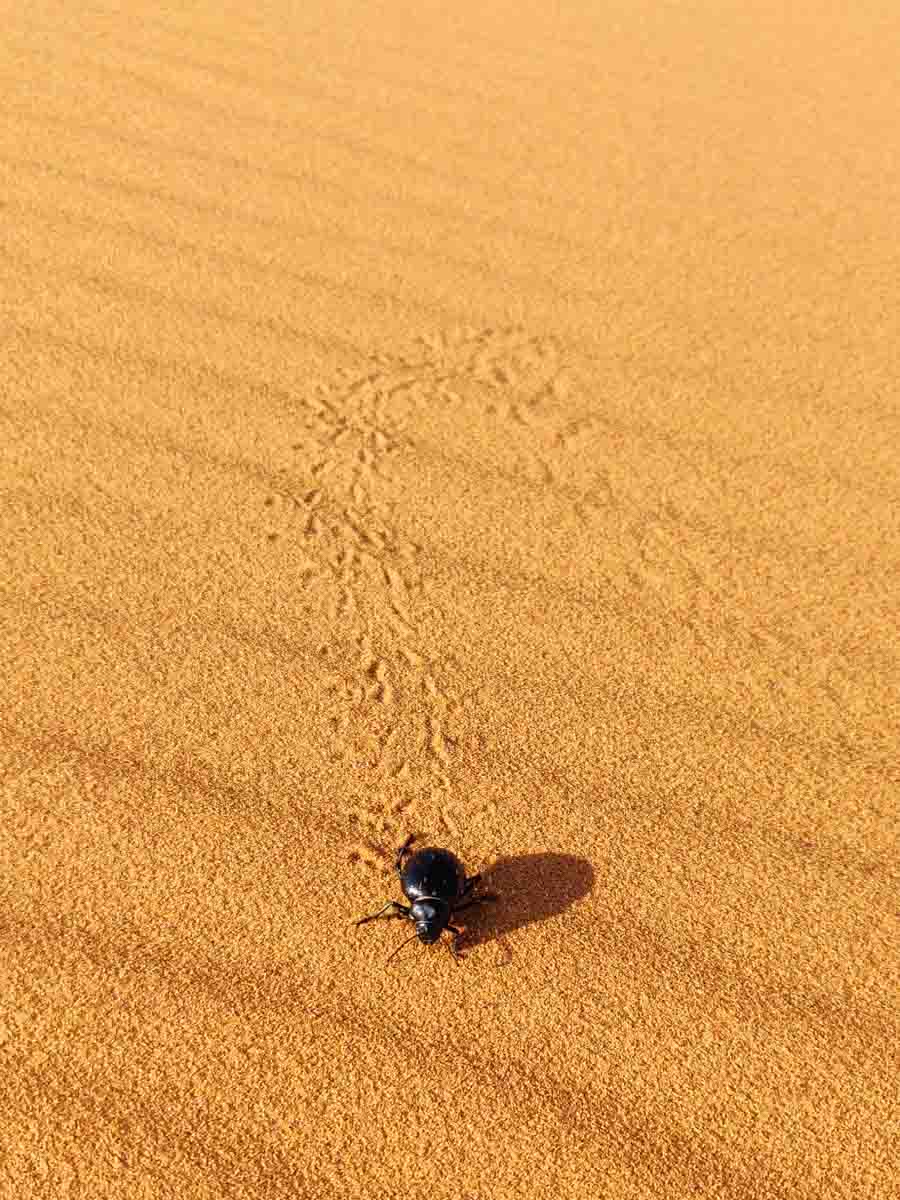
(530, 888)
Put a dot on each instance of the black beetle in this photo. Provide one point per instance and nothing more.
(435, 882)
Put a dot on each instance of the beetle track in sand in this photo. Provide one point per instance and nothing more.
(410, 731)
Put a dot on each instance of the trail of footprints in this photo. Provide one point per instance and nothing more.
(398, 716)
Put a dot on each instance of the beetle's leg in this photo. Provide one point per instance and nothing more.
(469, 884)
(399, 911)
(454, 945)
(398, 862)
(487, 897)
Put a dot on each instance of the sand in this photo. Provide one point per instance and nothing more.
(476, 421)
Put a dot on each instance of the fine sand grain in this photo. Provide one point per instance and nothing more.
(477, 420)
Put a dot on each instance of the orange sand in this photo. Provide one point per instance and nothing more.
(477, 420)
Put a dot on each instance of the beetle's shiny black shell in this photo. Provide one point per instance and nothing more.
(433, 872)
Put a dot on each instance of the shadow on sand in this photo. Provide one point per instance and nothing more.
(531, 888)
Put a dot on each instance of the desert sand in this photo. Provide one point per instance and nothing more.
(475, 421)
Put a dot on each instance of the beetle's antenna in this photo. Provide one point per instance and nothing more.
(400, 947)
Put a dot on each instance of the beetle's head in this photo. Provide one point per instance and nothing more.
(430, 916)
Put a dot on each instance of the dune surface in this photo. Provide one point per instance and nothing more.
(475, 421)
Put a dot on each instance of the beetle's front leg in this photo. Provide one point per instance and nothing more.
(399, 911)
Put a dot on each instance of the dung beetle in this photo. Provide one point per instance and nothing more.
(434, 881)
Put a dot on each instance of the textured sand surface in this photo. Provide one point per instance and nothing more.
(483, 424)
